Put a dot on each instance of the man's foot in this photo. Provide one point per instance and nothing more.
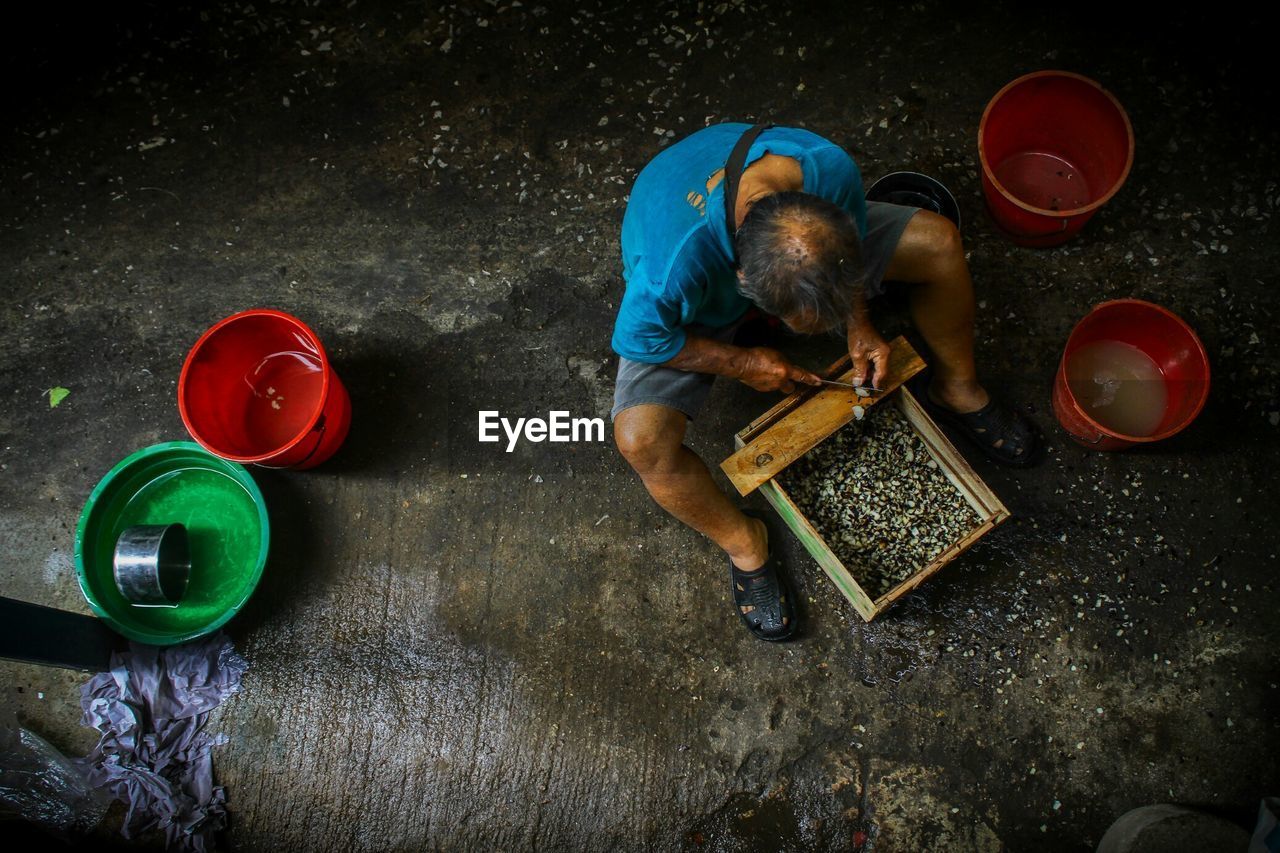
(763, 597)
(959, 397)
(754, 550)
(1001, 433)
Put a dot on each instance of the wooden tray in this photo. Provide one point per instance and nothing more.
(807, 419)
(798, 423)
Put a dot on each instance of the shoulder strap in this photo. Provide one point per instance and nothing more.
(733, 173)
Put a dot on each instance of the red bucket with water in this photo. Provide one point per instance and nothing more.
(258, 388)
(1055, 147)
(1132, 373)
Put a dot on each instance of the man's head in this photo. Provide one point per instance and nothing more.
(800, 259)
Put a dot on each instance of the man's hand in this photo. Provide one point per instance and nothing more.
(870, 355)
(767, 369)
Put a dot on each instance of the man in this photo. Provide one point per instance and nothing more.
(734, 216)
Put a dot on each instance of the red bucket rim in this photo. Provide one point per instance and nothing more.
(1137, 439)
(311, 421)
(990, 174)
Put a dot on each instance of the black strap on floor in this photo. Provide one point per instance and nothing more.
(46, 635)
(733, 176)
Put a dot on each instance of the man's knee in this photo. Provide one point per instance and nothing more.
(939, 237)
(649, 440)
(929, 250)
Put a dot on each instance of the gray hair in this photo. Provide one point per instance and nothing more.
(800, 255)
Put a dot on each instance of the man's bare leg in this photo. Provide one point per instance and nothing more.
(931, 256)
(651, 438)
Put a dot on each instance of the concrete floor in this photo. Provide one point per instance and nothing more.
(457, 648)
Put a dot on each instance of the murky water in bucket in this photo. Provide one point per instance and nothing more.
(1119, 386)
(286, 388)
(1043, 180)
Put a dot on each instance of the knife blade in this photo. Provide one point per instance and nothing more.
(860, 390)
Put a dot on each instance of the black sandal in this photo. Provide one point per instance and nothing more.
(1002, 434)
(766, 595)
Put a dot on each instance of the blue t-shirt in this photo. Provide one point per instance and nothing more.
(677, 256)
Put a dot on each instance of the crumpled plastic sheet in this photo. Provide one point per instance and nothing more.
(40, 785)
(154, 754)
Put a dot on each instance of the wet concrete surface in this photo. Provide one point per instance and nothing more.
(458, 648)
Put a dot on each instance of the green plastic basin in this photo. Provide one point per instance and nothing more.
(226, 520)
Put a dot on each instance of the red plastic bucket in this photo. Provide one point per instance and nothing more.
(1055, 147)
(1160, 335)
(258, 388)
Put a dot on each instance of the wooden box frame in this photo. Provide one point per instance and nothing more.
(983, 501)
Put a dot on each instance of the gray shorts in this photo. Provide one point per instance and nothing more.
(684, 391)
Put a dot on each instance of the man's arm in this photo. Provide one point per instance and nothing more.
(762, 368)
(869, 352)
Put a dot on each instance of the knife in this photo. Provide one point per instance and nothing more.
(860, 390)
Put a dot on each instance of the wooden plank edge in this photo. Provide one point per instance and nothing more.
(957, 469)
(817, 547)
(769, 418)
(891, 597)
(944, 453)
